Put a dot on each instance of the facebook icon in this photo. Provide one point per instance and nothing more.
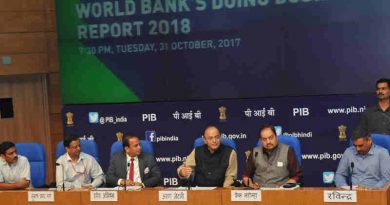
(150, 136)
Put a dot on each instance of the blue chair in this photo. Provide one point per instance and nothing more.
(147, 147)
(225, 141)
(87, 146)
(291, 141)
(36, 155)
(379, 139)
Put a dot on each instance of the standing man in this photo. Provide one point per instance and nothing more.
(214, 164)
(14, 168)
(273, 164)
(131, 167)
(376, 119)
(76, 168)
(367, 164)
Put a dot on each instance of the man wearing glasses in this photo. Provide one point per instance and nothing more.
(77, 169)
(214, 163)
(271, 164)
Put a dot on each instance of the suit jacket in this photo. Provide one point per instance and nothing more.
(148, 169)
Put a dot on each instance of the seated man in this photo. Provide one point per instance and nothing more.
(131, 167)
(273, 164)
(368, 163)
(214, 163)
(76, 168)
(14, 169)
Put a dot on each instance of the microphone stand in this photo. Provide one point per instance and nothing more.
(124, 183)
(352, 165)
(189, 182)
(63, 175)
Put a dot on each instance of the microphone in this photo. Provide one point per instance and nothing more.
(124, 184)
(189, 181)
(352, 165)
(63, 176)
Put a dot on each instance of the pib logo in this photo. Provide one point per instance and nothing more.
(151, 117)
(302, 111)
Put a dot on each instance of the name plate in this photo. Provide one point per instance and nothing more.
(172, 195)
(103, 196)
(340, 196)
(40, 196)
(245, 195)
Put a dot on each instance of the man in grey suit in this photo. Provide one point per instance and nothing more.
(132, 167)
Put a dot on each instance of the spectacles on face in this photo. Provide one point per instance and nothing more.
(213, 139)
(267, 139)
(75, 147)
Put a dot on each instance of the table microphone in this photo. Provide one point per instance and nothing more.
(352, 165)
(63, 176)
(124, 184)
(189, 181)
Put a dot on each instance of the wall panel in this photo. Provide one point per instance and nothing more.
(26, 64)
(13, 43)
(12, 22)
(31, 111)
(22, 5)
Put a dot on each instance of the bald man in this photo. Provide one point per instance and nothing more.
(214, 164)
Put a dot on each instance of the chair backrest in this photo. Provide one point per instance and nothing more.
(225, 141)
(87, 146)
(36, 156)
(379, 139)
(147, 147)
(291, 141)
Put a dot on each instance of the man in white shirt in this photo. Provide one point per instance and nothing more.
(14, 168)
(77, 169)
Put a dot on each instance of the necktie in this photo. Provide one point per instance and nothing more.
(131, 170)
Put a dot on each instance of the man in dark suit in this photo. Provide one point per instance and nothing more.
(132, 167)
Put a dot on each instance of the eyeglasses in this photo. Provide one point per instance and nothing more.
(215, 138)
(265, 139)
(75, 147)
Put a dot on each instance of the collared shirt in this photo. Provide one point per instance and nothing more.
(371, 170)
(137, 176)
(86, 171)
(15, 172)
(231, 171)
(375, 120)
(293, 165)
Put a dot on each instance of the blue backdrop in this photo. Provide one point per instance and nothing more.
(174, 126)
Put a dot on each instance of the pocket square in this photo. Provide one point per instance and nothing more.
(146, 170)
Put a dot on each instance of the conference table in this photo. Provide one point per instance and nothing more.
(219, 196)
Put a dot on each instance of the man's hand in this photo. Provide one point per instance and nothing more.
(23, 184)
(138, 184)
(87, 186)
(185, 171)
(360, 188)
(129, 183)
(245, 181)
(348, 187)
(255, 186)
